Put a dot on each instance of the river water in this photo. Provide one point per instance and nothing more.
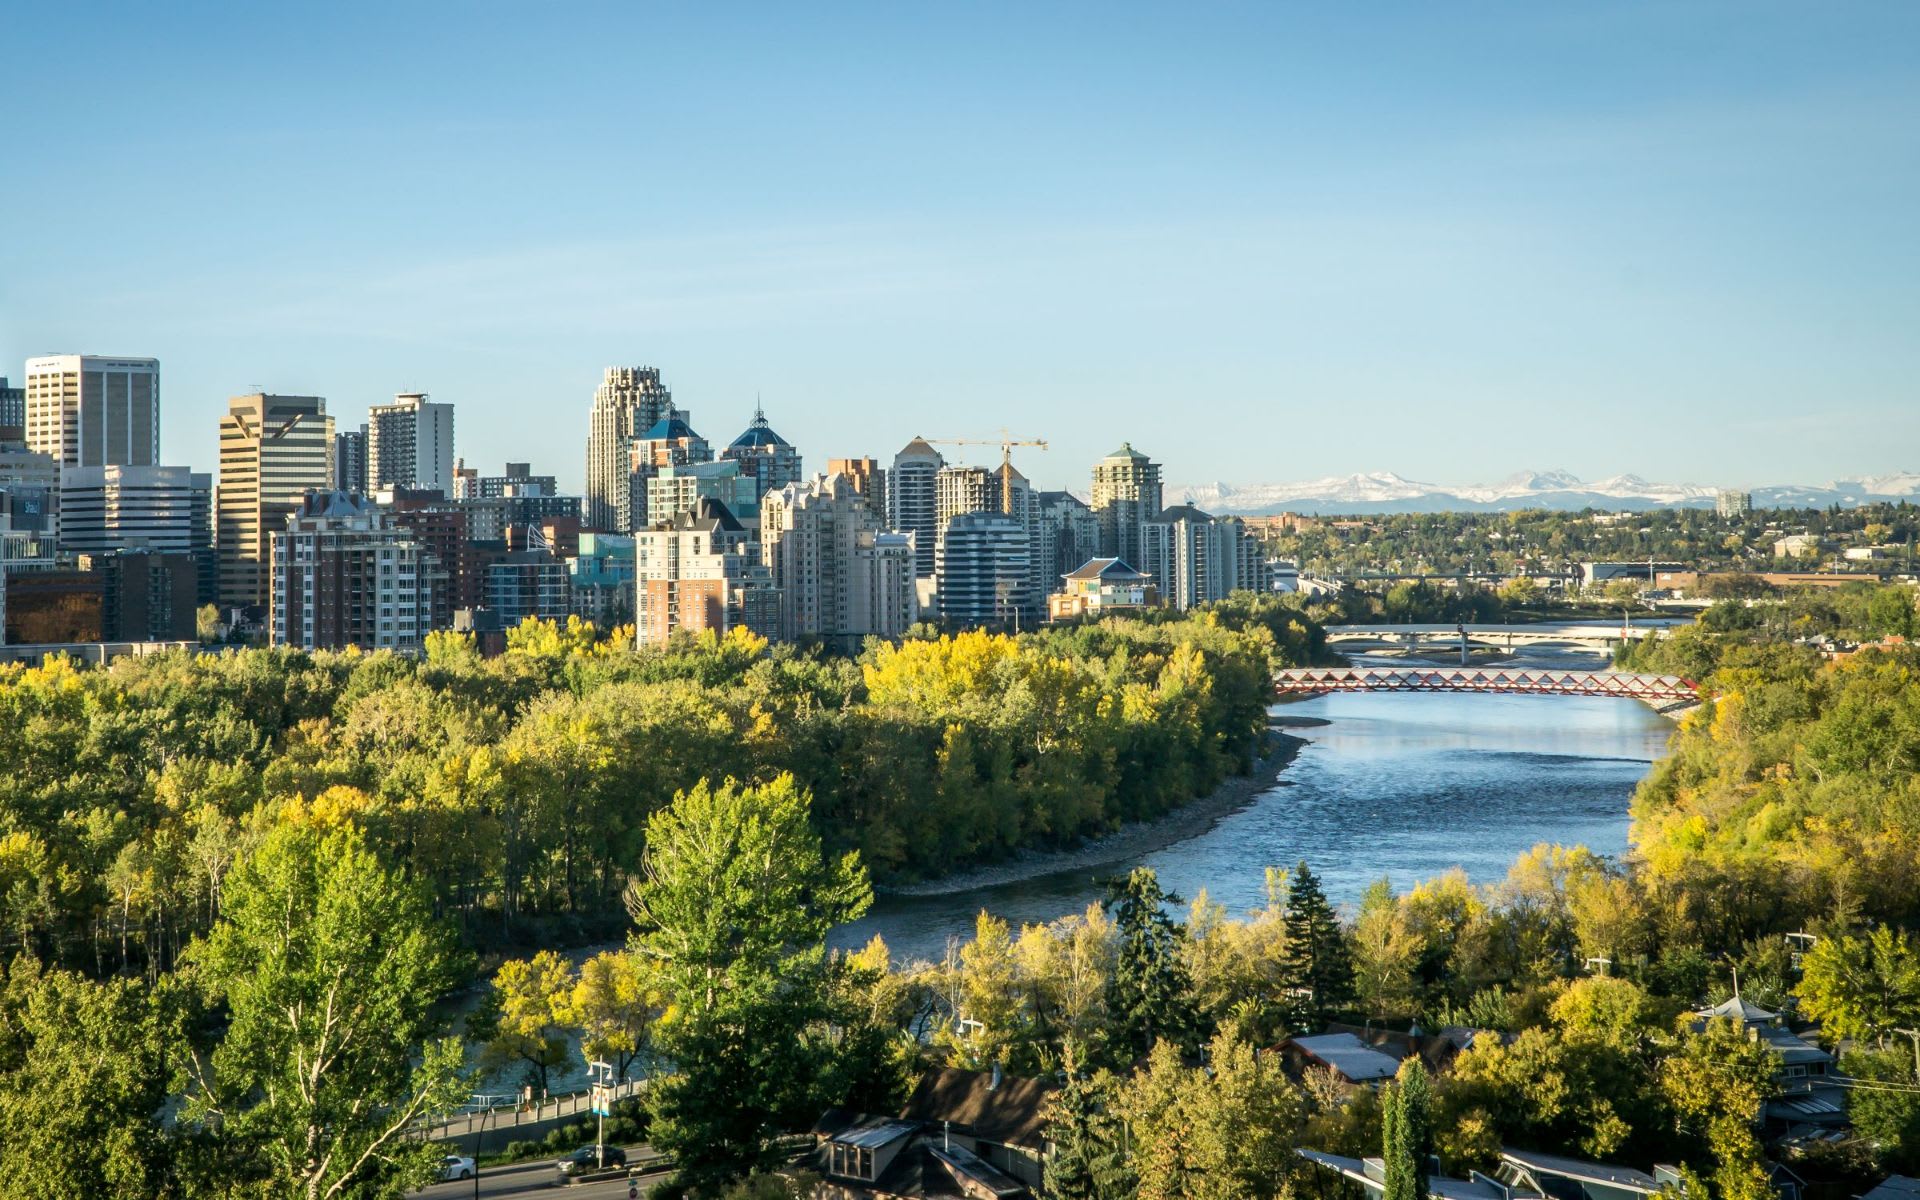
(1395, 786)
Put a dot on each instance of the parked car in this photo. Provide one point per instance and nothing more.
(591, 1158)
(456, 1166)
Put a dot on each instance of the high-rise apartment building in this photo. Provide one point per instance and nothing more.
(869, 478)
(350, 461)
(1069, 537)
(840, 575)
(603, 568)
(913, 505)
(1126, 495)
(344, 574)
(982, 572)
(671, 442)
(206, 559)
(104, 509)
(273, 451)
(675, 489)
(1728, 504)
(529, 583)
(698, 571)
(517, 479)
(764, 456)
(629, 401)
(960, 489)
(410, 444)
(1196, 558)
(94, 411)
(13, 414)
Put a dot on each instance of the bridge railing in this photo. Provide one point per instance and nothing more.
(1659, 689)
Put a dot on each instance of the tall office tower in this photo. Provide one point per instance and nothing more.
(959, 489)
(841, 576)
(1069, 536)
(350, 461)
(273, 451)
(1126, 495)
(629, 401)
(91, 411)
(913, 500)
(410, 444)
(764, 455)
(869, 479)
(13, 414)
(679, 488)
(697, 570)
(33, 481)
(1195, 558)
(345, 575)
(104, 509)
(981, 572)
(669, 442)
(200, 516)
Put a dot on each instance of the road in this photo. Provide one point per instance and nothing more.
(537, 1178)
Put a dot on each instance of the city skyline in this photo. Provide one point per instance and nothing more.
(1667, 243)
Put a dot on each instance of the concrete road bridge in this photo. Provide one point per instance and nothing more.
(1660, 691)
(1592, 636)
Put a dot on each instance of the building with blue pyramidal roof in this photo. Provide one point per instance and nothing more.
(768, 458)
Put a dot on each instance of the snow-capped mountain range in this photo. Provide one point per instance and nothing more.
(1385, 492)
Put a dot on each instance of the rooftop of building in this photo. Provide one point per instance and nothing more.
(918, 449)
(1126, 452)
(669, 429)
(1183, 512)
(1111, 569)
(759, 435)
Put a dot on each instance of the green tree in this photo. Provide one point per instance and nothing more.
(1862, 987)
(1089, 1158)
(1316, 968)
(1406, 1132)
(614, 1004)
(329, 966)
(733, 905)
(1715, 1083)
(525, 1018)
(206, 624)
(83, 1076)
(1150, 997)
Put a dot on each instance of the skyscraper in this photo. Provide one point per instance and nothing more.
(629, 401)
(913, 500)
(982, 572)
(104, 509)
(1126, 495)
(697, 570)
(841, 575)
(13, 413)
(350, 460)
(670, 442)
(961, 489)
(410, 444)
(764, 455)
(344, 574)
(1196, 558)
(92, 411)
(273, 450)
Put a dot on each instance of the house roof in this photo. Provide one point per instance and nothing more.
(876, 1132)
(1894, 1187)
(1738, 1009)
(1104, 568)
(1439, 1186)
(1625, 1178)
(1347, 1054)
(967, 1167)
(707, 514)
(1012, 1113)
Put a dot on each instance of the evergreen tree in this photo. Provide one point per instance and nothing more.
(1151, 995)
(1089, 1158)
(1406, 1132)
(1316, 969)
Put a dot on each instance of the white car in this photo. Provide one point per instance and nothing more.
(455, 1166)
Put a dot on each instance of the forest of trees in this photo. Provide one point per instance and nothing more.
(250, 877)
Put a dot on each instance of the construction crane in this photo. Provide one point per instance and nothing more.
(1006, 442)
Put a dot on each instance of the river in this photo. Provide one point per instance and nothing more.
(1394, 786)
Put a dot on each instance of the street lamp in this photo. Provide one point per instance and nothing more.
(601, 1073)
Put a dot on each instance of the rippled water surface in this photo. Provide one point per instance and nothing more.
(1398, 786)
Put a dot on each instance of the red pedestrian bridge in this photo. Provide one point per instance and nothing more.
(1661, 691)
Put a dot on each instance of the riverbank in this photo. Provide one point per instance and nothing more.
(1135, 841)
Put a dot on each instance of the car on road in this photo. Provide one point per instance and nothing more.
(456, 1166)
(590, 1158)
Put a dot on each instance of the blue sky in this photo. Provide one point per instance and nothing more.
(1263, 242)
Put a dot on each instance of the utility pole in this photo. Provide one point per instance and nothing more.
(1915, 1035)
(602, 1075)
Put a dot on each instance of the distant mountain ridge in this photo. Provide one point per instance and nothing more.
(1385, 492)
